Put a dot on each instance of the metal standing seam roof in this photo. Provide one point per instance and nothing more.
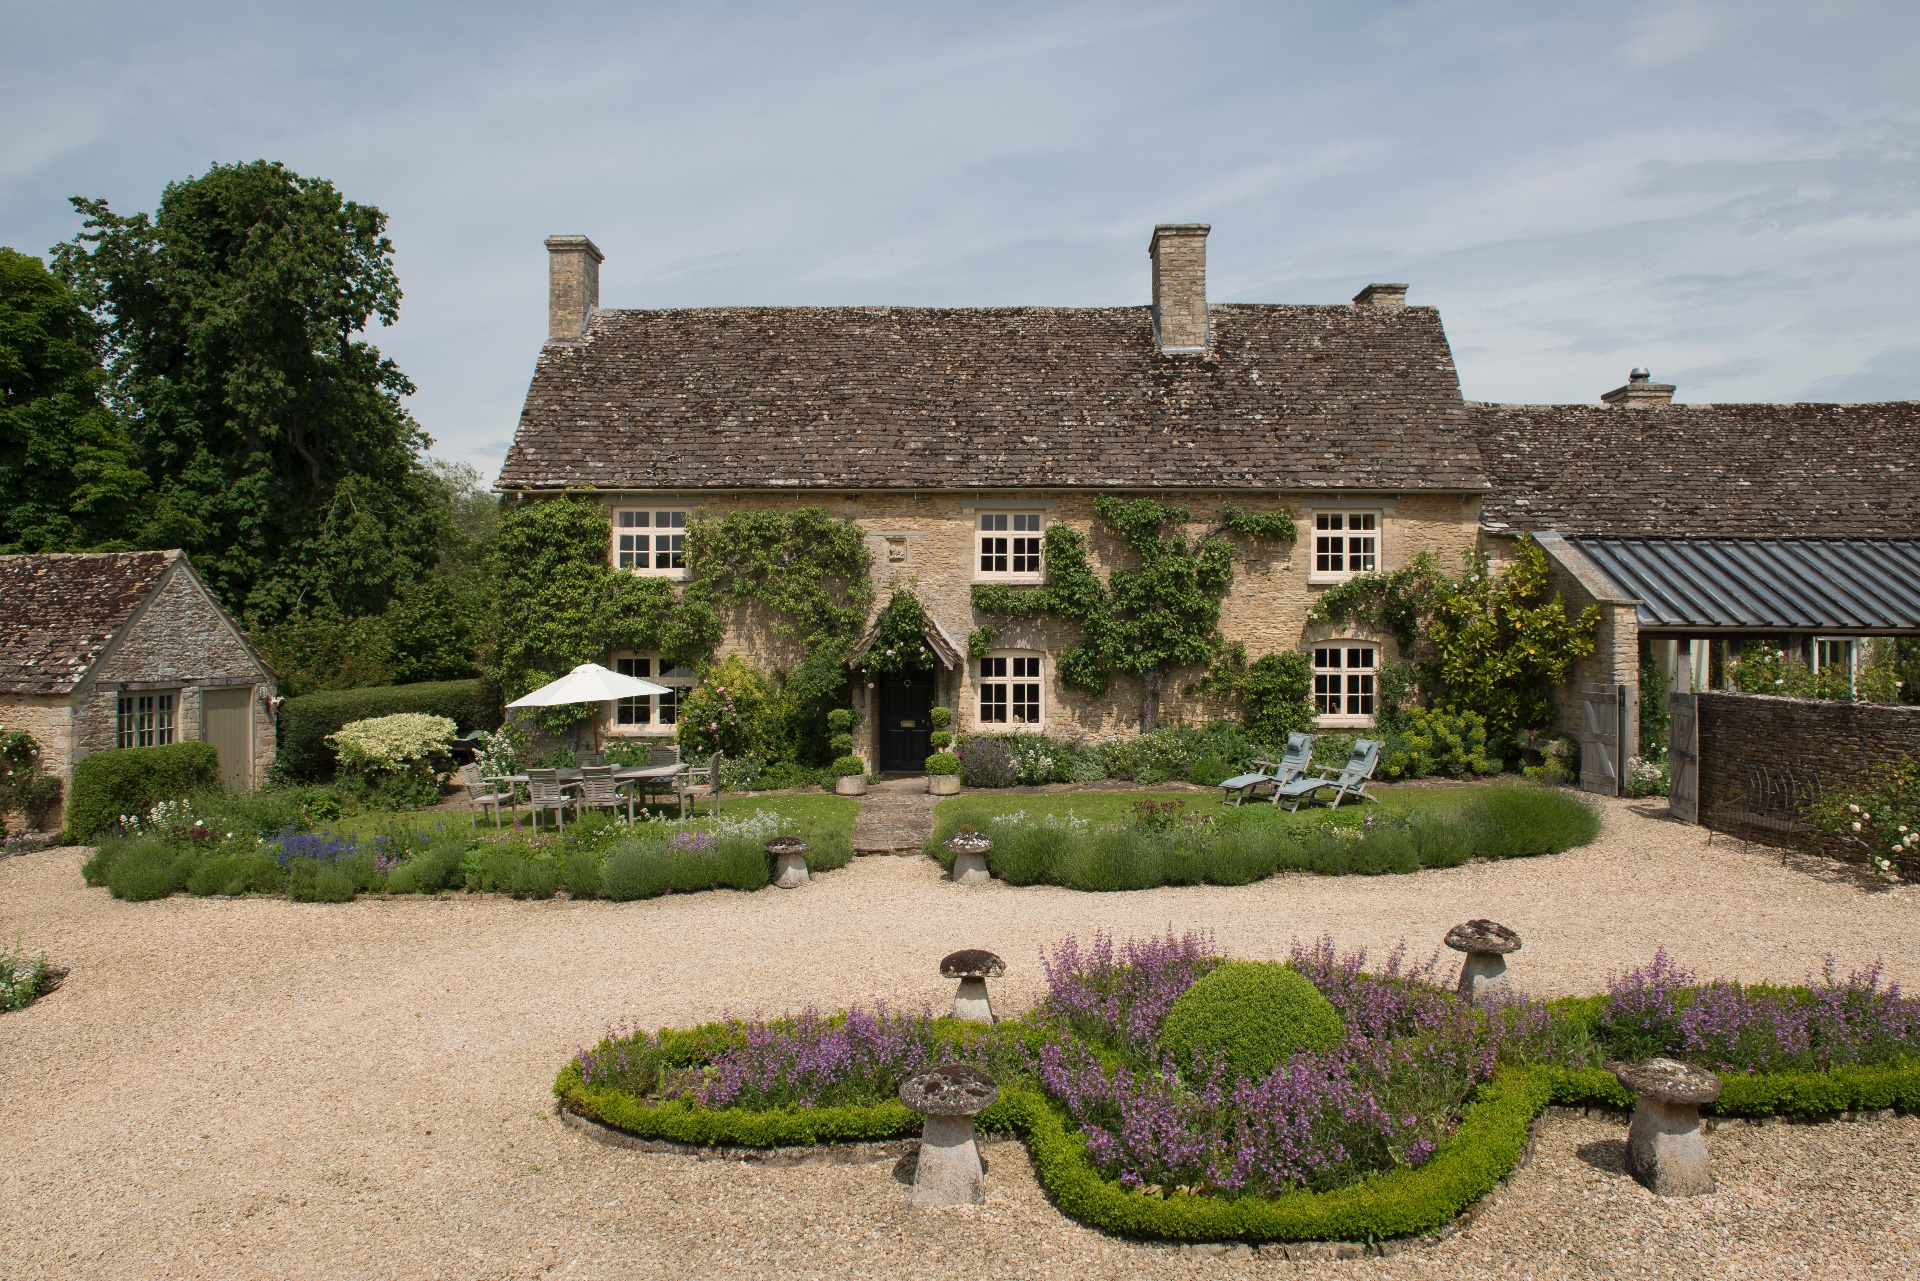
(1752, 584)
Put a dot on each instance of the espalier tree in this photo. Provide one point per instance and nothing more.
(1147, 619)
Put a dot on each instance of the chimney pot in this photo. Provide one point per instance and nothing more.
(1179, 252)
(1641, 392)
(1389, 297)
(573, 286)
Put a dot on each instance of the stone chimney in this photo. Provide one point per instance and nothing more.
(1179, 252)
(573, 286)
(1386, 297)
(1641, 392)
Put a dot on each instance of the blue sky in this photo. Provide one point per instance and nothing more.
(1727, 193)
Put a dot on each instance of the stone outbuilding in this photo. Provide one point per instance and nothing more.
(129, 649)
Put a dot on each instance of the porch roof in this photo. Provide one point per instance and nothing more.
(1755, 584)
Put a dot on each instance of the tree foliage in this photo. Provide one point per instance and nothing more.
(1147, 619)
(274, 439)
(68, 473)
(1491, 642)
(1274, 693)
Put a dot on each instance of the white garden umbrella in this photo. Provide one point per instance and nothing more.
(589, 683)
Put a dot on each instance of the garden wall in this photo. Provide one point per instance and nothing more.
(1760, 756)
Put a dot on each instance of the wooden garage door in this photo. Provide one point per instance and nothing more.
(226, 719)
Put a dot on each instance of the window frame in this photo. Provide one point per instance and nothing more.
(1849, 648)
(146, 718)
(678, 679)
(1356, 686)
(1037, 532)
(1016, 692)
(652, 569)
(1314, 533)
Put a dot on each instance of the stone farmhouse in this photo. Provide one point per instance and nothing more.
(955, 436)
(128, 649)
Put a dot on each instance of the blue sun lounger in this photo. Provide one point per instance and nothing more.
(1291, 765)
(1350, 781)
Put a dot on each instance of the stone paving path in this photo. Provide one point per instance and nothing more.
(896, 817)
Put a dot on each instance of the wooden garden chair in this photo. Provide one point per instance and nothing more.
(701, 782)
(548, 794)
(598, 791)
(482, 794)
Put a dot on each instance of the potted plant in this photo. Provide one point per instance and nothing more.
(850, 776)
(943, 773)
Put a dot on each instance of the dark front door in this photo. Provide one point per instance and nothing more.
(906, 704)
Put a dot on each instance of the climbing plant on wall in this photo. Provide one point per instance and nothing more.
(561, 603)
(1490, 641)
(899, 638)
(1146, 619)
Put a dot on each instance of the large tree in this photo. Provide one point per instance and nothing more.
(279, 451)
(68, 474)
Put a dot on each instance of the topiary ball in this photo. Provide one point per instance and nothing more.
(1256, 1012)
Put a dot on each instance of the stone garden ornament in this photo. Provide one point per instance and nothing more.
(1665, 1149)
(948, 1171)
(969, 848)
(973, 967)
(789, 861)
(1483, 974)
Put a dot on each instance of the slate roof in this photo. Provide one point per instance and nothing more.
(58, 612)
(1357, 398)
(1705, 471)
(1799, 584)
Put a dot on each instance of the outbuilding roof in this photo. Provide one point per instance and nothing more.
(1704, 471)
(59, 611)
(1286, 397)
(1745, 584)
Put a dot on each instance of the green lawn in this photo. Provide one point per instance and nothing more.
(823, 813)
(1117, 807)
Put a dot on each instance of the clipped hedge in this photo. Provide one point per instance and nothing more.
(130, 780)
(1484, 1149)
(306, 721)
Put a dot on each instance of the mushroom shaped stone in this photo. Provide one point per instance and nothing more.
(1483, 974)
(973, 967)
(789, 861)
(969, 848)
(948, 1170)
(1665, 1149)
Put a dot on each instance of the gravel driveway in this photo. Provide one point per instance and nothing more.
(255, 1088)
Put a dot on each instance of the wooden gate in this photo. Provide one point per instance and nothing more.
(1683, 750)
(1602, 720)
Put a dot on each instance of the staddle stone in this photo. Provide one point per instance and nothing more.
(1483, 972)
(973, 967)
(1665, 1148)
(969, 849)
(789, 861)
(948, 1170)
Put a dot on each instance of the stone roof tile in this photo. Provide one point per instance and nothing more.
(59, 611)
(1287, 397)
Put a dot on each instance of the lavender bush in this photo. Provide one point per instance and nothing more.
(1661, 1008)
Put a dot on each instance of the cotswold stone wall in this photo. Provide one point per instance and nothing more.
(180, 643)
(1820, 744)
(46, 718)
(926, 541)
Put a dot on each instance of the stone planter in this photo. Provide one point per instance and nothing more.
(851, 785)
(943, 784)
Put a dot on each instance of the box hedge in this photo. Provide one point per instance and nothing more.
(1484, 1149)
(130, 780)
(306, 721)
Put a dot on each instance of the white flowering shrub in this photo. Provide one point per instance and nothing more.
(390, 744)
(1880, 814)
(1647, 778)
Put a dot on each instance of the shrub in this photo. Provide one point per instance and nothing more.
(941, 716)
(518, 869)
(1254, 1013)
(735, 710)
(848, 767)
(940, 740)
(1514, 820)
(1880, 813)
(146, 867)
(1174, 751)
(943, 763)
(1427, 741)
(987, 761)
(637, 867)
(130, 780)
(305, 722)
(21, 977)
(387, 762)
(434, 866)
(25, 786)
